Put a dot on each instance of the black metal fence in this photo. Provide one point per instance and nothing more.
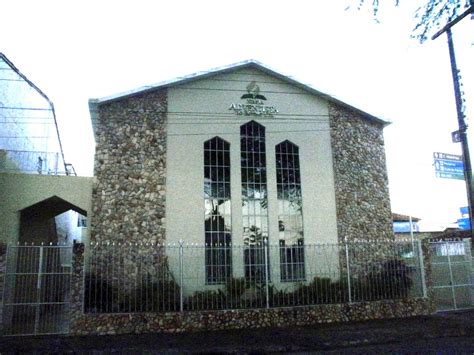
(125, 278)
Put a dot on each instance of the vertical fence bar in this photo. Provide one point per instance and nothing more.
(181, 276)
(349, 287)
(451, 275)
(265, 253)
(38, 290)
(421, 265)
(6, 284)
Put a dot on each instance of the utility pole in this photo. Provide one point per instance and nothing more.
(459, 108)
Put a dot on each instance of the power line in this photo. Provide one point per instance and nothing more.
(243, 90)
(231, 114)
(28, 117)
(24, 137)
(300, 122)
(27, 122)
(238, 133)
(225, 122)
(209, 113)
(18, 80)
(26, 108)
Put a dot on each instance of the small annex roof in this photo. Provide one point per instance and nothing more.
(250, 63)
(397, 217)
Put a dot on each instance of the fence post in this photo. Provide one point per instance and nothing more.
(348, 270)
(181, 266)
(265, 253)
(421, 264)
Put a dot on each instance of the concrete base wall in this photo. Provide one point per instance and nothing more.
(101, 324)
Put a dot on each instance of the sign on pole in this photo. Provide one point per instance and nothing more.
(456, 136)
(448, 166)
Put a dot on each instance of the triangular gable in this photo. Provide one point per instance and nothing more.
(227, 69)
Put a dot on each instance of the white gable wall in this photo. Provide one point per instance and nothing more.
(199, 110)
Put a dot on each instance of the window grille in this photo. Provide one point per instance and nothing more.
(254, 199)
(217, 218)
(290, 212)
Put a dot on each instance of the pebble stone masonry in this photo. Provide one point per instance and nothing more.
(360, 176)
(128, 198)
(129, 206)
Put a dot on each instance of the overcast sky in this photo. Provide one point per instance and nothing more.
(76, 50)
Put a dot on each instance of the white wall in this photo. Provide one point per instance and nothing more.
(67, 228)
(199, 111)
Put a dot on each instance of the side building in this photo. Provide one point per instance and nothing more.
(43, 204)
(39, 190)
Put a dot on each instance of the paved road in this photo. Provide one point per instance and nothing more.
(447, 333)
(445, 346)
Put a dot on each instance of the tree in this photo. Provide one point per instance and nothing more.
(433, 15)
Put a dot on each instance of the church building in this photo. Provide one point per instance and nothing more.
(241, 156)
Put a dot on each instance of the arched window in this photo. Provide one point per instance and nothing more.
(217, 215)
(290, 212)
(254, 198)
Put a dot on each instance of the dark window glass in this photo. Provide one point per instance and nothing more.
(217, 221)
(290, 212)
(254, 199)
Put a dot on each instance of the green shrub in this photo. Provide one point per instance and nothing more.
(153, 296)
(99, 295)
(205, 300)
(391, 280)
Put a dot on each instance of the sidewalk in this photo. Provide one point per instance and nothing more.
(324, 337)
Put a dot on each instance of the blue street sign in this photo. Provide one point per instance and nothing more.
(448, 166)
(464, 224)
(464, 211)
(449, 176)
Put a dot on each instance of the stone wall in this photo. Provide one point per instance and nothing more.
(128, 197)
(77, 285)
(360, 176)
(138, 323)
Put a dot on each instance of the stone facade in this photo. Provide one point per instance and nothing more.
(77, 283)
(129, 197)
(360, 176)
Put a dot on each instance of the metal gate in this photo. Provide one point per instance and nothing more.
(36, 290)
(451, 265)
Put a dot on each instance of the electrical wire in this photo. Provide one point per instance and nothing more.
(27, 122)
(278, 115)
(238, 133)
(23, 137)
(27, 117)
(26, 108)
